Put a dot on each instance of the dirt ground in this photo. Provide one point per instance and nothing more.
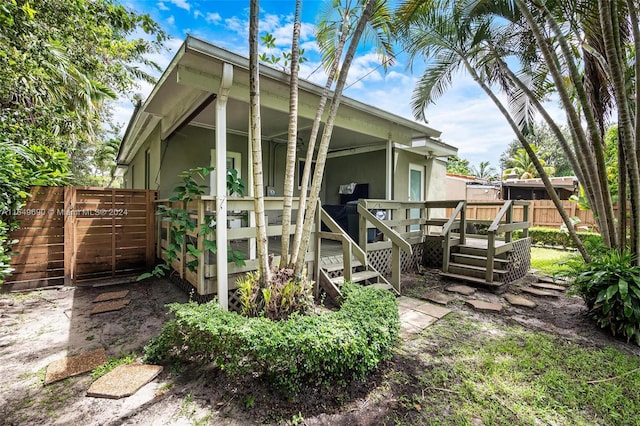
(39, 327)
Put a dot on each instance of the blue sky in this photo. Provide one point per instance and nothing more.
(465, 115)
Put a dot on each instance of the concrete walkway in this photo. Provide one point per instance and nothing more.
(416, 315)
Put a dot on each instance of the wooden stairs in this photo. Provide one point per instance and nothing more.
(332, 276)
(469, 263)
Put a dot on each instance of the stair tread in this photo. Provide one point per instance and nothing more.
(357, 277)
(477, 268)
(473, 256)
(332, 267)
(383, 286)
(471, 279)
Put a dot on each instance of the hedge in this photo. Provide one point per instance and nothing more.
(315, 350)
(556, 237)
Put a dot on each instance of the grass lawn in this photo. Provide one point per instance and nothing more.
(550, 261)
(478, 372)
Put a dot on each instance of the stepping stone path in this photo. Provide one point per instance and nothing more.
(438, 297)
(112, 305)
(112, 295)
(416, 315)
(481, 305)
(74, 365)
(516, 300)
(549, 286)
(539, 292)
(462, 289)
(124, 380)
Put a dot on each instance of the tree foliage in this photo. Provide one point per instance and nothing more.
(458, 166)
(62, 62)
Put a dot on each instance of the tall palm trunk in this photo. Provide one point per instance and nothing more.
(613, 50)
(591, 167)
(292, 138)
(534, 158)
(302, 207)
(256, 143)
(328, 130)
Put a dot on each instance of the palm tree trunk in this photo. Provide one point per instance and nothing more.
(591, 169)
(328, 130)
(608, 21)
(302, 207)
(534, 158)
(292, 139)
(256, 143)
(594, 134)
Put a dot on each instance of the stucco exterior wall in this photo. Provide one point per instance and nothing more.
(367, 167)
(135, 177)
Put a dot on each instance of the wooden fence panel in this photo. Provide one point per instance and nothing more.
(74, 234)
(541, 213)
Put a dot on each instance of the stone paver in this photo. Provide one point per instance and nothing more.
(409, 302)
(516, 300)
(111, 295)
(432, 310)
(112, 305)
(548, 286)
(481, 305)
(462, 289)
(417, 319)
(438, 297)
(74, 365)
(551, 280)
(538, 292)
(123, 380)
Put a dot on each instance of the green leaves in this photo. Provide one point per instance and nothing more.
(299, 352)
(610, 286)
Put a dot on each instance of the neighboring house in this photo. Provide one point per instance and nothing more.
(461, 187)
(533, 189)
(198, 115)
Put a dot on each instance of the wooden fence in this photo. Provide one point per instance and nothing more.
(541, 213)
(71, 235)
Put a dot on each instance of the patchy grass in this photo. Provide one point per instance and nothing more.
(112, 363)
(481, 373)
(550, 261)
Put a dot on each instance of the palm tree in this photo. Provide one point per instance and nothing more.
(484, 171)
(522, 165)
(256, 143)
(454, 40)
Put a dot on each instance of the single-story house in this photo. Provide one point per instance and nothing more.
(461, 187)
(198, 115)
(533, 189)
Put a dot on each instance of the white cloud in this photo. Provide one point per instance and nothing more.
(171, 20)
(162, 6)
(237, 25)
(213, 18)
(197, 14)
(182, 4)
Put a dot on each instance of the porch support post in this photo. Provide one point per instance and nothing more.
(221, 185)
(389, 171)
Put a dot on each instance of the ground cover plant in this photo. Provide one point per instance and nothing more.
(312, 350)
(482, 372)
(550, 262)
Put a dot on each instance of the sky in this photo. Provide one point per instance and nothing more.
(466, 117)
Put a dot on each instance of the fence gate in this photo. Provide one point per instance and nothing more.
(76, 235)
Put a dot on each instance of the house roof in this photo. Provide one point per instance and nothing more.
(185, 91)
(564, 182)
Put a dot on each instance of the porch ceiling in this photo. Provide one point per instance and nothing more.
(194, 75)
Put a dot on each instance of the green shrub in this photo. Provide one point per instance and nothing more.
(312, 350)
(610, 286)
(557, 238)
(284, 295)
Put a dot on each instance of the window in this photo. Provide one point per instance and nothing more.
(234, 162)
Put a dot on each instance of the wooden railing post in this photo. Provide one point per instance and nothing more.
(396, 267)
(525, 218)
(346, 260)
(491, 252)
(509, 217)
(463, 225)
(200, 247)
(69, 234)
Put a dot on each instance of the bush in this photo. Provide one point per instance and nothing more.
(314, 350)
(284, 295)
(610, 286)
(557, 238)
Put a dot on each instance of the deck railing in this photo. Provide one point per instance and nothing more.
(497, 228)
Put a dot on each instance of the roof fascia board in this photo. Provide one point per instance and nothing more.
(205, 48)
